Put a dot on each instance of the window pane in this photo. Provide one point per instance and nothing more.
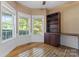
(23, 26)
(6, 21)
(37, 26)
(22, 32)
(6, 25)
(23, 21)
(6, 34)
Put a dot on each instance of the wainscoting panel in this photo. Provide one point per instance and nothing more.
(70, 41)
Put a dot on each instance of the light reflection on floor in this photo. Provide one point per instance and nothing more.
(37, 52)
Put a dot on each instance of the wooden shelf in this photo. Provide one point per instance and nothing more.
(52, 35)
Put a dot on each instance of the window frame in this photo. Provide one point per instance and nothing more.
(38, 16)
(24, 15)
(13, 11)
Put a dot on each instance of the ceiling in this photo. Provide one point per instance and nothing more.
(38, 4)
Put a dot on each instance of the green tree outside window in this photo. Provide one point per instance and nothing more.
(37, 26)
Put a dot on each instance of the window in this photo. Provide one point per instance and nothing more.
(7, 23)
(37, 25)
(23, 25)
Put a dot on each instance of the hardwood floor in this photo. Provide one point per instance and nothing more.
(43, 50)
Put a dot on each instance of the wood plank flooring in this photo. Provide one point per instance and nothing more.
(43, 50)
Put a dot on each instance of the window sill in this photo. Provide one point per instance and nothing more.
(38, 34)
(24, 35)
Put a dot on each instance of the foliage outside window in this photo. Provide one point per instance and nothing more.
(23, 26)
(37, 25)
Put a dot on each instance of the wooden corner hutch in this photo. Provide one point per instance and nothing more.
(52, 35)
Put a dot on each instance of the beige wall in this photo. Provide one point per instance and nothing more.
(27, 10)
(69, 17)
(70, 20)
(24, 9)
(38, 11)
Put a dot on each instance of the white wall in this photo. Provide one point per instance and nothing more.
(6, 47)
(24, 40)
(9, 45)
(37, 38)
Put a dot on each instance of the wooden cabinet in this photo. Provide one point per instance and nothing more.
(52, 35)
(52, 39)
(46, 37)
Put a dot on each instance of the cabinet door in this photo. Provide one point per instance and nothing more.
(58, 39)
(54, 39)
(46, 38)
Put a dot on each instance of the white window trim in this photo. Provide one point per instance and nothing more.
(21, 14)
(38, 16)
(12, 10)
